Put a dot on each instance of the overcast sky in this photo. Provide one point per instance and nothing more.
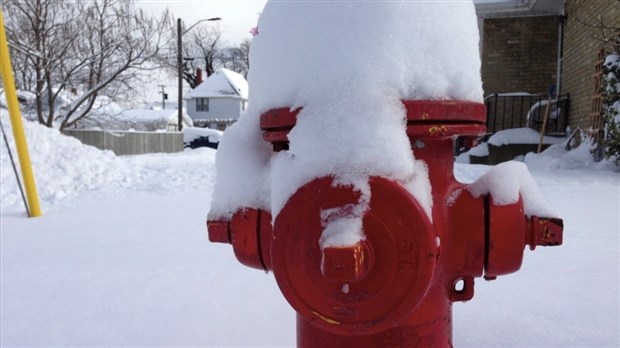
(238, 16)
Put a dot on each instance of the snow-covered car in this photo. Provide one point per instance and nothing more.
(194, 137)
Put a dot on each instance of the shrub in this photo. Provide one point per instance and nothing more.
(611, 104)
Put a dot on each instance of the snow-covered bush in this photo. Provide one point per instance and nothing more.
(611, 105)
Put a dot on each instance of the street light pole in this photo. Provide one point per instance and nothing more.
(180, 71)
(180, 34)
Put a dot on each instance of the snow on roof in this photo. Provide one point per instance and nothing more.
(222, 83)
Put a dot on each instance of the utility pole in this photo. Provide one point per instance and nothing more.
(164, 96)
(180, 34)
(180, 72)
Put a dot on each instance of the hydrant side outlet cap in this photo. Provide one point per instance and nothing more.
(396, 260)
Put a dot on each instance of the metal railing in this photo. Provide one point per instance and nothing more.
(520, 110)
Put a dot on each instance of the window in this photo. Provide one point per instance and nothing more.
(244, 105)
(202, 104)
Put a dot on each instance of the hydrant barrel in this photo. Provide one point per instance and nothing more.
(395, 285)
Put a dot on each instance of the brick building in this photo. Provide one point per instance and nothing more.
(582, 43)
(519, 54)
(528, 45)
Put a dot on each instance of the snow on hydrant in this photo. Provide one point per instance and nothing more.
(339, 178)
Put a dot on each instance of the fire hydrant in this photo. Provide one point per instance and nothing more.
(396, 287)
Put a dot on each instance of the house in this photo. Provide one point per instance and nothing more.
(529, 45)
(223, 96)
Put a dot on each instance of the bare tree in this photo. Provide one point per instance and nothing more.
(121, 43)
(94, 48)
(607, 33)
(38, 31)
(244, 48)
(237, 58)
(201, 47)
(205, 44)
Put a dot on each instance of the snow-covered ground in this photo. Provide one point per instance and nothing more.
(121, 258)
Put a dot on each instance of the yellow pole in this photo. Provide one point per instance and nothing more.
(16, 121)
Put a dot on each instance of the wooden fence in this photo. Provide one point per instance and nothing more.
(130, 143)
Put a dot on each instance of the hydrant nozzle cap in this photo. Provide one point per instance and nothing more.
(545, 232)
(347, 264)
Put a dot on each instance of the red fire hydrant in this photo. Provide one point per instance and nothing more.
(396, 287)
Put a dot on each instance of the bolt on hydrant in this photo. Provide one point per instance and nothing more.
(394, 288)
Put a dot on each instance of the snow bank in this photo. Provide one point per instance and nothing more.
(556, 157)
(508, 181)
(348, 65)
(64, 167)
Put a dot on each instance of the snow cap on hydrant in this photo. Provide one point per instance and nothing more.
(348, 65)
(339, 176)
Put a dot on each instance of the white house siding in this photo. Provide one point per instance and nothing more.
(219, 108)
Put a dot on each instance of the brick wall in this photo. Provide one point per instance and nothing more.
(580, 51)
(519, 54)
